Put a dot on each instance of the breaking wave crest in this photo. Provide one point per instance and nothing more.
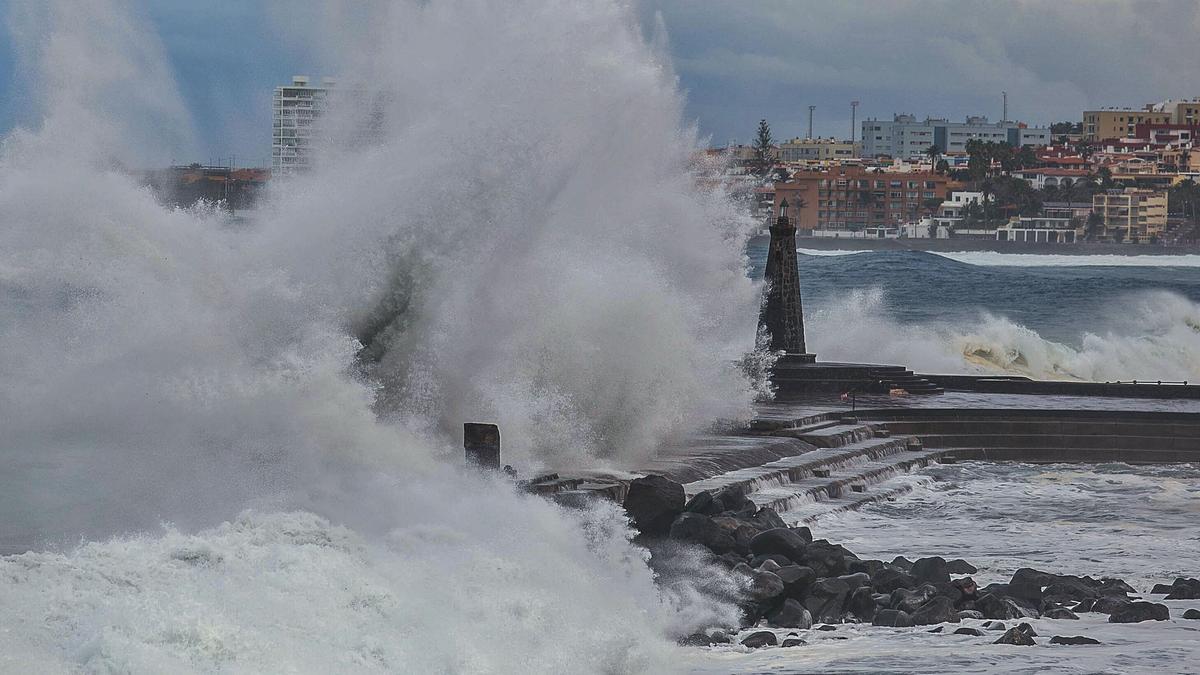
(1157, 338)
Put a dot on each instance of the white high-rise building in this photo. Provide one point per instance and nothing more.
(295, 108)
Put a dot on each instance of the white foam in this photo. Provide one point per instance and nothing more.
(525, 236)
(823, 252)
(993, 259)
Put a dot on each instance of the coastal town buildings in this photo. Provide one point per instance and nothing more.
(855, 197)
(295, 108)
(817, 150)
(905, 137)
(1131, 214)
(1119, 122)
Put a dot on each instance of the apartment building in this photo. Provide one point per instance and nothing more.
(816, 150)
(1132, 214)
(852, 197)
(904, 137)
(295, 108)
(1106, 123)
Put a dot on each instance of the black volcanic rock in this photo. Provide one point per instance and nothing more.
(1073, 640)
(1136, 612)
(762, 638)
(892, 617)
(781, 541)
(796, 580)
(889, 578)
(931, 570)
(1184, 589)
(826, 599)
(653, 502)
(701, 529)
(826, 559)
(995, 607)
(1059, 613)
(1016, 636)
(938, 609)
(969, 631)
(861, 604)
(1108, 604)
(960, 566)
(791, 614)
(1192, 614)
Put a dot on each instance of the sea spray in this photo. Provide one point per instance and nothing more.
(520, 242)
(1151, 335)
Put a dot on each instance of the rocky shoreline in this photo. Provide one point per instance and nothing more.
(791, 581)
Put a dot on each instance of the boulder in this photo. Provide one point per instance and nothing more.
(826, 599)
(931, 570)
(700, 529)
(731, 560)
(995, 625)
(969, 631)
(733, 501)
(1070, 589)
(791, 614)
(870, 567)
(1073, 640)
(1027, 629)
(764, 587)
(796, 580)
(911, 600)
(804, 532)
(705, 639)
(780, 541)
(782, 560)
(653, 502)
(1083, 606)
(1192, 614)
(827, 560)
(892, 617)
(939, 609)
(889, 578)
(766, 519)
(960, 566)
(1136, 612)
(769, 566)
(857, 580)
(1107, 604)
(1108, 585)
(1161, 589)
(993, 607)
(762, 638)
(1016, 636)
(702, 503)
(861, 604)
(970, 614)
(1059, 613)
(1185, 589)
(902, 563)
(827, 628)
(793, 642)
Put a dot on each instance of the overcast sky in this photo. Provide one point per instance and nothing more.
(740, 61)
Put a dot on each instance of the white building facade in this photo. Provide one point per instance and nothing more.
(295, 108)
(904, 137)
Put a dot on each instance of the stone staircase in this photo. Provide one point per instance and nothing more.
(852, 464)
(898, 377)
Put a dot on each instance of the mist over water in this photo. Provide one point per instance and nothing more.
(257, 431)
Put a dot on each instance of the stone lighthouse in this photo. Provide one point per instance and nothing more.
(782, 313)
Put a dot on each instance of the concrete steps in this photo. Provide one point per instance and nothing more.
(845, 487)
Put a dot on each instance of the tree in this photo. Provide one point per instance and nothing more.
(943, 167)
(764, 147)
(933, 152)
(1094, 224)
(1105, 179)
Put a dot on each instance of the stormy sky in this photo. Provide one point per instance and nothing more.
(740, 61)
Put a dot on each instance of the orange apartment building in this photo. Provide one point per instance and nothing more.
(852, 197)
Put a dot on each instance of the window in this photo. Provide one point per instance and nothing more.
(930, 185)
(912, 185)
